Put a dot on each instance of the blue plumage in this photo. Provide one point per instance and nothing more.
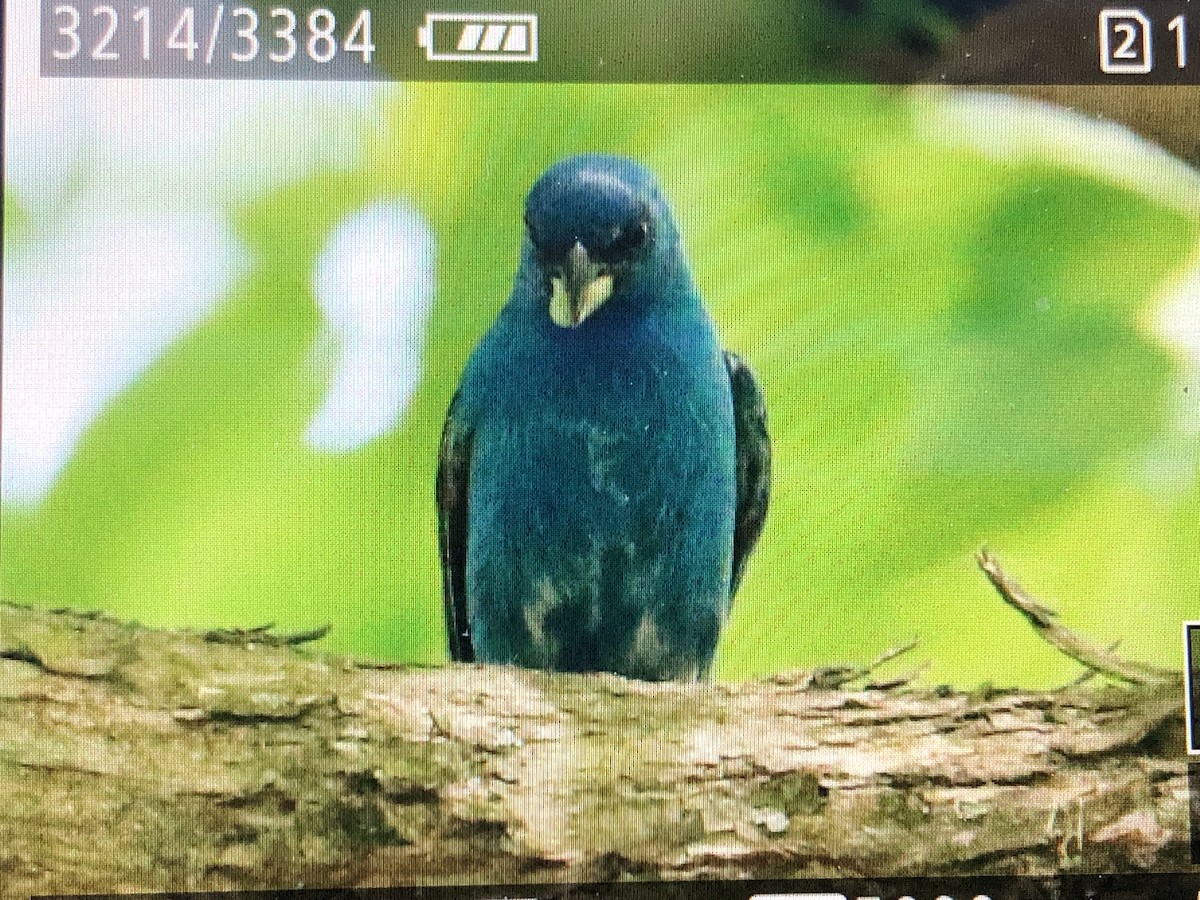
(592, 475)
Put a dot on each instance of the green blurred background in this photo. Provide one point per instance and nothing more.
(958, 349)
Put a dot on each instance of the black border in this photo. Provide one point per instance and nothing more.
(995, 887)
(1191, 691)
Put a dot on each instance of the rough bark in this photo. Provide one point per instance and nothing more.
(138, 759)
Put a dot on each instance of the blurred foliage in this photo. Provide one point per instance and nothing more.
(956, 350)
(16, 220)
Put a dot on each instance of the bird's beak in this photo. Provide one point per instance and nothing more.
(581, 289)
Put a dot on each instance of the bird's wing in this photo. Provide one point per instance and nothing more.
(453, 476)
(753, 463)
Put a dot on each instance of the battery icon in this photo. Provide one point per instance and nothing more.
(479, 37)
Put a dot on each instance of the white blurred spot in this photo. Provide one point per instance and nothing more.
(1179, 324)
(126, 183)
(169, 142)
(1180, 320)
(1015, 129)
(86, 315)
(1169, 464)
(374, 284)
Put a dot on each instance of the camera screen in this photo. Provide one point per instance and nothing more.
(536, 450)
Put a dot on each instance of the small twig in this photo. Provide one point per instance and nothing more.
(1085, 676)
(390, 665)
(833, 677)
(892, 653)
(902, 680)
(239, 633)
(305, 637)
(261, 634)
(883, 659)
(1044, 621)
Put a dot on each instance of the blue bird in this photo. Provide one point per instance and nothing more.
(604, 468)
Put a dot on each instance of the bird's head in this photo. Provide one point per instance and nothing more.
(595, 224)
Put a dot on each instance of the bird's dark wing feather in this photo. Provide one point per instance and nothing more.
(753, 463)
(453, 476)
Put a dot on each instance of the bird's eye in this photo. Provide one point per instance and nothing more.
(631, 237)
(529, 229)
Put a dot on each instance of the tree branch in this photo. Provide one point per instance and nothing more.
(138, 759)
(1044, 619)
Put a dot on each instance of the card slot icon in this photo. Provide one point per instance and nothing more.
(1126, 42)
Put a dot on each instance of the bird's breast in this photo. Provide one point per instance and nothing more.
(590, 450)
(601, 508)
(622, 430)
